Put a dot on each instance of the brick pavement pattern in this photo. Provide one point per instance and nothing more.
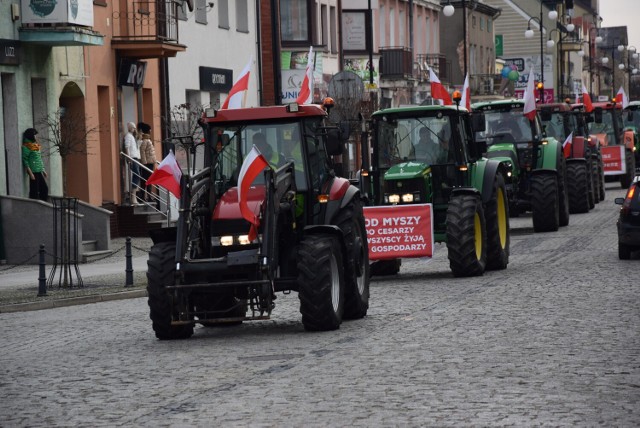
(551, 340)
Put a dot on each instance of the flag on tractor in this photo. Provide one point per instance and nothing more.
(252, 165)
(566, 146)
(167, 175)
(466, 94)
(438, 91)
(306, 89)
(586, 100)
(234, 99)
(530, 97)
(621, 97)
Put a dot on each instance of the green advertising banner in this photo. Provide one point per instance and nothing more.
(499, 49)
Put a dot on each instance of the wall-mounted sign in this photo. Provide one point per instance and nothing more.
(9, 52)
(215, 79)
(132, 73)
(354, 30)
(77, 12)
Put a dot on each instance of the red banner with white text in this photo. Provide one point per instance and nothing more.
(398, 231)
(613, 160)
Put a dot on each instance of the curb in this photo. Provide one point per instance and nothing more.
(73, 301)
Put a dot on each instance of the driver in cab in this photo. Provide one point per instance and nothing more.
(430, 148)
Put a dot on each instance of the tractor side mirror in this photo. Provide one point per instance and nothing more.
(588, 118)
(545, 115)
(630, 116)
(333, 142)
(597, 115)
(478, 123)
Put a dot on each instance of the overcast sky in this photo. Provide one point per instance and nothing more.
(617, 13)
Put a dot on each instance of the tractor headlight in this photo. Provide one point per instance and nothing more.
(243, 240)
(407, 198)
(394, 199)
(226, 240)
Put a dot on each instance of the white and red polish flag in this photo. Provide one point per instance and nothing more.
(306, 89)
(438, 92)
(566, 146)
(466, 94)
(586, 100)
(252, 165)
(621, 97)
(167, 175)
(234, 99)
(530, 97)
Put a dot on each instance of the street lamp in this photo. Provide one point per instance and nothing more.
(448, 11)
(553, 15)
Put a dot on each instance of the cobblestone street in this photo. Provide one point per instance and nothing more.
(551, 340)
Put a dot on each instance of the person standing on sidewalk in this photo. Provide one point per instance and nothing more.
(147, 157)
(32, 161)
(133, 151)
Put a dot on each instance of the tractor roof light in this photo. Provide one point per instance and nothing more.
(328, 103)
(210, 112)
(457, 97)
(293, 108)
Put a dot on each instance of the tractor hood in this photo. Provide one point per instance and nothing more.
(228, 207)
(406, 170)
(501, 147)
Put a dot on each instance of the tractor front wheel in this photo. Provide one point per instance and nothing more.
(578, 187)
(563, 192)
(630, 161)
(351, 221)
(321, 282)
(161, 269)
(466, 236)
(544, 202)
(498, 234)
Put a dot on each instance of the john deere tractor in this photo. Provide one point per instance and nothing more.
(427, 154)
(305, 229)
(538, 180)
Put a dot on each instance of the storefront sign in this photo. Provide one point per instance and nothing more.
(78, 12)
(9, 52)
(613, 160)
(399, 231)
(215, 79)
(132, 73)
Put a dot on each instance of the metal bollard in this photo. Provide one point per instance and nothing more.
(42, 279)
(129, 268)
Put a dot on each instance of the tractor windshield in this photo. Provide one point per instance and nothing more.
(610, 122)
(632, 118)
(279, 143)
(556, 124)
(506, 127)
(419, 139)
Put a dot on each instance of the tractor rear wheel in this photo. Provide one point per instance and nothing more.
(544, 202)
(563, 192)
(627, 178)
(321, 282)
(578, 187)
(595, 182)
(356, 274)
(498, 234)
(466, 236)
(161, 268)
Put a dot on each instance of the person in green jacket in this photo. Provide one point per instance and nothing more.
(32, 161)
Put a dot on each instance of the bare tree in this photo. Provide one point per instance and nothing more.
(68, 135)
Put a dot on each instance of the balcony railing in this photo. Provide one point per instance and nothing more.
(438, 63)
(147, 21)
(395, 63)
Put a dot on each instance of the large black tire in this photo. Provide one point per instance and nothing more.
(595, 183)
(578, 187)
(601, 182)
(630, 161)
(498, 232)
(563, 191)
(624, 252)
(544, 202)
(161, 268)
(321, 282)
(356, 271)
(466, 236)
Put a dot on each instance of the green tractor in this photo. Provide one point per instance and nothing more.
(427, 155)
(538, 181)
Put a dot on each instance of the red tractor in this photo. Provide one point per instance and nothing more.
(311, 236)
(584, 160)
(617, 143)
